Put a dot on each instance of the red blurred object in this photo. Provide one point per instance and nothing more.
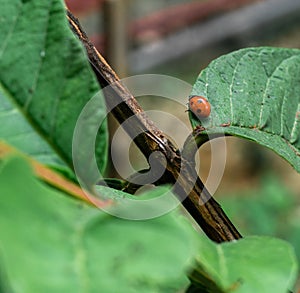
(80, 7)
(162, 22)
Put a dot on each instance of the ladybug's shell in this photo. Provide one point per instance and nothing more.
(199, 106)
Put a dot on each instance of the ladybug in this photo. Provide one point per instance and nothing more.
(199, 106)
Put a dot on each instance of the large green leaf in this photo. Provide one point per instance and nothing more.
(145, 204)
(253, 264)
(45, 81)
(255, 93)
(52, 243)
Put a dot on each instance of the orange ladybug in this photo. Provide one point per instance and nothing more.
(199, 106)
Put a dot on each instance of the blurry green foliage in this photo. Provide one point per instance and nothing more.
(268, 209)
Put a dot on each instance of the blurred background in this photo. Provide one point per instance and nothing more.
(179, 38)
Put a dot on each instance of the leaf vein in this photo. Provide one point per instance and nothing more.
(262, 107)
(222, 261)
(10, 33)
(42, 59)
(296, 122)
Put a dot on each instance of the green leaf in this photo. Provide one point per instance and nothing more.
(255, 94)
(252, 264)
(148, 204)
(45, 81)
(52, 243)
(270, 208)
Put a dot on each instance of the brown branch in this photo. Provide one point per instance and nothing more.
(187, 186)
